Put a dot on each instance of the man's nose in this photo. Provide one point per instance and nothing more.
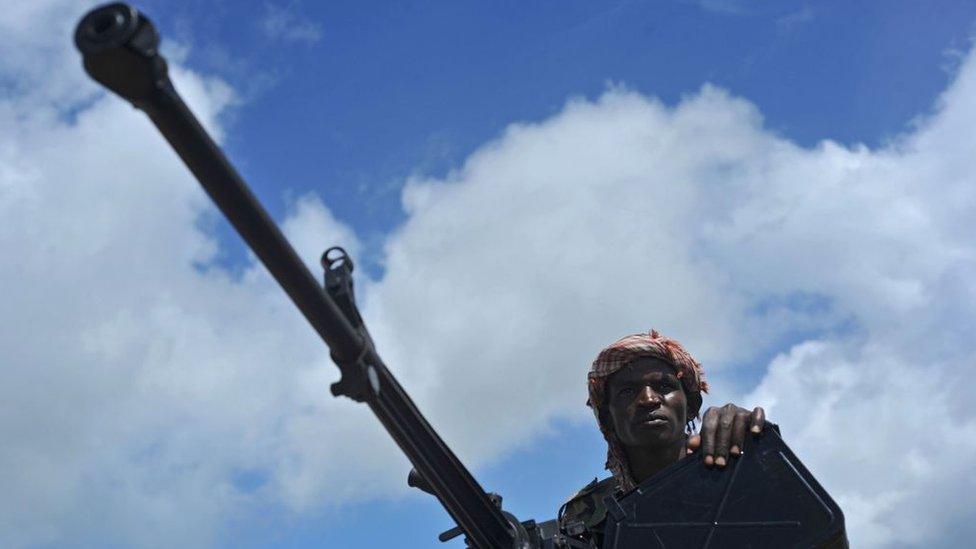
(648, 397)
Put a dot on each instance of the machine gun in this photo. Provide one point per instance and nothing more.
(120, 50)
(119, 47)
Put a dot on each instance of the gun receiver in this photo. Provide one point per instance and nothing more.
(120, 50)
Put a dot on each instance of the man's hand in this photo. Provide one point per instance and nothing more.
(723, 432)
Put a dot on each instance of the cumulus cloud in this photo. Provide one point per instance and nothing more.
(140, 381)
(622, 213)
(31, 32)
(147, 394)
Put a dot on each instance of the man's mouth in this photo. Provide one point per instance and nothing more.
(654, 420)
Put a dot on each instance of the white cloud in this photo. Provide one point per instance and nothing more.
(878, 425)
(286, 24)
(135, 388)
(39, 31)
(623, 213)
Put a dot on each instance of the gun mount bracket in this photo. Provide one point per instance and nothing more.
(358, 377)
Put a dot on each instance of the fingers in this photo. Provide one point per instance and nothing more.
(694, 443)
(709, 426)
(723, 438)
(739, 432)
(723, 433)
(757, 420)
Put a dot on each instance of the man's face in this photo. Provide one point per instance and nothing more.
(647, 405)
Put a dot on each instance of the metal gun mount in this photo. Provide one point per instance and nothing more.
(119, 47)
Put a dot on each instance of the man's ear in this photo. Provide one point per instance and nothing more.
(694, 405)
(605, 418)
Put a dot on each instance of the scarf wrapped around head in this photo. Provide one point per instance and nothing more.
(615, 357)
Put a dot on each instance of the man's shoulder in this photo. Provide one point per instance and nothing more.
(586, 506)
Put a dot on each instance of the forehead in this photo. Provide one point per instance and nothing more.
(643, 368)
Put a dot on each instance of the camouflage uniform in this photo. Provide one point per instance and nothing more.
(582, 516)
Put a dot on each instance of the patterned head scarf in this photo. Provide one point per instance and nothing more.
(615, 357)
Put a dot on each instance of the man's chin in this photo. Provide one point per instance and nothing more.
(658, 438)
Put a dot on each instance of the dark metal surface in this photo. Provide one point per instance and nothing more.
(765, 498)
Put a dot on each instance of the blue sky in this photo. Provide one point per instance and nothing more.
(387, 90)
(784, 186)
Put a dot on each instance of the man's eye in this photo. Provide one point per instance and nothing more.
(626, 391)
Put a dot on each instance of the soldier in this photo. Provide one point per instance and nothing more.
(646, 391)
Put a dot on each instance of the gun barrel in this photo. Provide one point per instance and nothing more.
(120, 50)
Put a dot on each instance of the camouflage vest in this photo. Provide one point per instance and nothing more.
(583, 514)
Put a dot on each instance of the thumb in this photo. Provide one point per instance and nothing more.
(694, 442)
